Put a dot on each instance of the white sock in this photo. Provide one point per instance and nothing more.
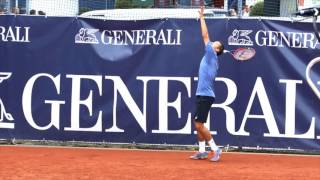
(202, 146)
(213, 145)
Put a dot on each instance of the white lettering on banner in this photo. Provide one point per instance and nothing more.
(289, 39)
(141, 37)
(259, 89)
(120, 87)
(291, 111)
(55, 105)
(258, 92)
(14, 34)
(230, 116)
(176, 104)
(76, 102)
(4, 115)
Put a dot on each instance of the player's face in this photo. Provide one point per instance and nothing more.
(216, 46)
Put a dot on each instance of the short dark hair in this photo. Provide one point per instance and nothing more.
(32, 12)
(221, 49)
(41, 13)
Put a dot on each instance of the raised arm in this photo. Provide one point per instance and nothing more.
(204, 29)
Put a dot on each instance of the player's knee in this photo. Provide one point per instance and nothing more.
(198, 126)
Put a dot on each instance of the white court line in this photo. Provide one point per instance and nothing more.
(157, 150)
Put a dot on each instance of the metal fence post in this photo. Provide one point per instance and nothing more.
(27, 6)
(239, 8)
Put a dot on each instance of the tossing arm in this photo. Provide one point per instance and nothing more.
(204, 29)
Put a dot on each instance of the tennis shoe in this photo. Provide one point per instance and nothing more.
(216, 156)
(199, 155)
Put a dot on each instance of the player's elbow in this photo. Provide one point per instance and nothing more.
(205, 35)
(206, 39)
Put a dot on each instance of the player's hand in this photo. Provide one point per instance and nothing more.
(201, 11)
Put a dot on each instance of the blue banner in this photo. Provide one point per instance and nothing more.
(64, 78)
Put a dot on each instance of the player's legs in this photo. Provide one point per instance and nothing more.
(201, 141)
(201, 154)
(203, 105)
(203, 134)
(200, 137)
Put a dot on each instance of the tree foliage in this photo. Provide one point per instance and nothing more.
(257, 9)
(124, 4)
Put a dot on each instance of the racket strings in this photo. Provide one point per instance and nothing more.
(244, 53)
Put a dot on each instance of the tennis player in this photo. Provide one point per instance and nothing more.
(205, 92)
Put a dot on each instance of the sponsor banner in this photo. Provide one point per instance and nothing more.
(64, 78)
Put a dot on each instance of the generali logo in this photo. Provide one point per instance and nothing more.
(279, 39)
(14, 34)
(6, 119)
(167, 37)
(240, 37)
(87, 36)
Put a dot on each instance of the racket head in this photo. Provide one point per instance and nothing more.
(244, 54)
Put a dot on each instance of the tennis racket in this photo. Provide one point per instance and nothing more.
(242, 54)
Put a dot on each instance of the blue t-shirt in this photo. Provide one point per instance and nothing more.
(207, 72)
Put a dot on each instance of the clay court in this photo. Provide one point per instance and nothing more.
(21, 162)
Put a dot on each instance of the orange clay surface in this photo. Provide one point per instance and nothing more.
(30, 163)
